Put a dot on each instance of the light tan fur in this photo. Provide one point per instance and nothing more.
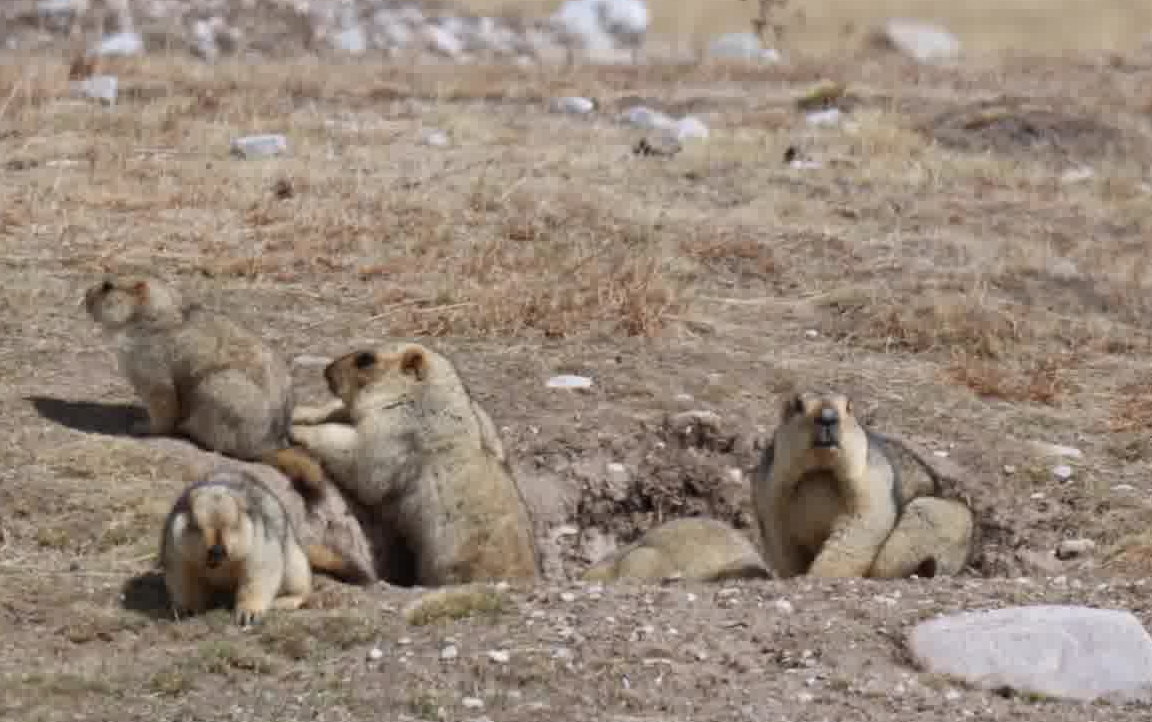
(202, 375)
(228, 533)
(407, 440)
(693, 548)
(830, 501)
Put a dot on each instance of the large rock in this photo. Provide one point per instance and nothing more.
(921, 41)
(1071, 652)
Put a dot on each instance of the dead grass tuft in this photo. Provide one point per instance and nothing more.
(1036, 381)
(458, 602)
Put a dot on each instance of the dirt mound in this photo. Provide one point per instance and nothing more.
(1015, 128)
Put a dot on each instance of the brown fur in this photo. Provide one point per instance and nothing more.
(694, 548)
(229, 533)
(831, 502)
(407, 441)
(202, 375)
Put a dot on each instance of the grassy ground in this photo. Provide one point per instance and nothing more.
(939, 265)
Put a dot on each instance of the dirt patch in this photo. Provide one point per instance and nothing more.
(1019, 128)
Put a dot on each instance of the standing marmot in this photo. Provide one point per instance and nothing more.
(202, 375)
(696, 548)
(831, 502)
(410, 444)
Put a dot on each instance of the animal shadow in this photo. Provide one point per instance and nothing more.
(89, 416)
(147, 595)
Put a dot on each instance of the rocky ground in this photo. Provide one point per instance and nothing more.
(961, 247)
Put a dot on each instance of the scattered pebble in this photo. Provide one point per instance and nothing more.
(742, 46)
(1044, 448)
(259, 146)
(309, 360)
(567, 381)
(449, 652)
(812, 333)
(690, 128)
(1063, 472)
(1077, 175)
(101, 88)
(783, 606)
(618, 474)
(499, 656)
(124, 43)
(920, 41)
(435, 139)
(375, 653)
(573, 104)
(825, 118)
(567, 597)
(1123, 487)
(642, 116)
(1071, 548)
(472, 702)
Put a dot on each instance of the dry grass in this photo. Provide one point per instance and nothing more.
(937, 264)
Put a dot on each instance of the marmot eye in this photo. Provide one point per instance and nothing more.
(106, 287)
(364, 360)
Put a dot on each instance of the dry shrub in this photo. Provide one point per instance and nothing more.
(1035, 381)
(927, 321)
(1132, 411)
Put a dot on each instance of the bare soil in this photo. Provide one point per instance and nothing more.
(945, 272)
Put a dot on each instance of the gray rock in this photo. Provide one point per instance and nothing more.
(921, 41)
(101, 88)
(641, 116)
(125, 43)
(742, 46)
(690, 128)
(573, 104)
(1069, 652)
(259, 146)
(353, 40)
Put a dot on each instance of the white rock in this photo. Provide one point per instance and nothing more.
(825, 118)
(783, 606)
(440, 40)
(734, 474)
(1070, 548)
(1123, 487)
(805, 164)
(811, 333)
(449, 652)
(626, 20)
(690, 128)
(124, 43)
(1059, 651)
(568, 381)
(472, 702)
(311, 361)
(1063, 472)
(1077, 175)
(352, 40)
(617, 473)
(375, 654)
(97, 87)
(642, 116)
(921, 41)
(567, 597)
(435, 138)
(1042, 447)
(499, 656)
(259, 146)
(742, 46)
(573, 104)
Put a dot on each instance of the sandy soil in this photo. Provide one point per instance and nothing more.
(940, 266)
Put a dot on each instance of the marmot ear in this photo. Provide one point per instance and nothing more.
(414, 363)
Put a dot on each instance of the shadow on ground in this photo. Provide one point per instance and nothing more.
(89, 416)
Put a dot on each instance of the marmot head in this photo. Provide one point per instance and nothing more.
(822, 426)
(119, 301)
(216, 529)
(395, 373)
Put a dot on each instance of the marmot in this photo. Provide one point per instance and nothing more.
(201, 374)
(229, 533)
(409, 444)
(695, 548)
(830, 500)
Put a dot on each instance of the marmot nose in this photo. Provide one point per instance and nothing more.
(828, 416)
(216, 554)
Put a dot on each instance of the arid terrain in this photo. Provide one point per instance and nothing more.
(968, 256)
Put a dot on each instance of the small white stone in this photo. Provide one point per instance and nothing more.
(449, 652)
(1077, 175)
(735, 475)
(783, 606)
(435, 138)
(691, 597)
(812, 333)
(940, 453)
(503, 586)
(1037, 495)
(567, 597)
(825, 118)
(805, 164)
(125, 43)
(375, 653)
(617, 473)
(97, 87)
(644, 117)
(310, 361)
(1070, 548)
(568, 381)
(1063, 472)
(259, 146)
(499, 656)
(573, 104)
(404, 641)
(1123, 487)
(805, 697)
(690, 128)
(952, 695)
(1009, 469)
(472, 702)
(353, 40)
